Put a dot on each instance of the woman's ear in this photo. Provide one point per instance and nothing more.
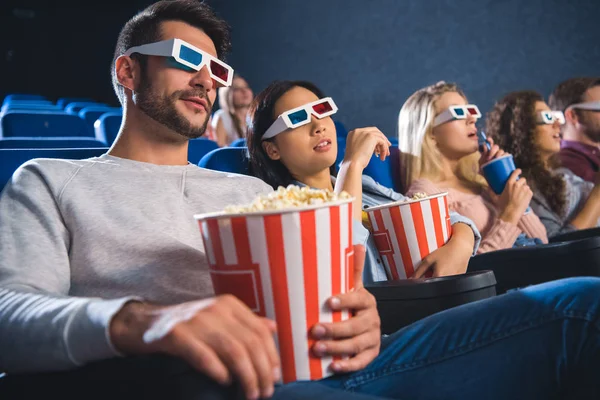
(431, 137)
(271, 149)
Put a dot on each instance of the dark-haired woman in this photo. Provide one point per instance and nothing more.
(305, 154)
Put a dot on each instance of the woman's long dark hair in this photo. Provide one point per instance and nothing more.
(512, 125)
(262, 112)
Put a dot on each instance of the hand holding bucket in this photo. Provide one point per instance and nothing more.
(285, 265)
(405, 232)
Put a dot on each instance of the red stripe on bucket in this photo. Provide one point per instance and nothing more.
(389, 256)
(436, 216)
(350, 266)
(448, 224)
(311, 292)
(215, 238)
(420, 231)
(336, 262)
(400, 231)
(239, 228)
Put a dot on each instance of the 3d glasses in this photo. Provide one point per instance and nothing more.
(457, 112)
(189, 56)
(549, 117)
(299, 116)
(590, 106)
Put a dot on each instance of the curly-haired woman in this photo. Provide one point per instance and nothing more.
(523, 124)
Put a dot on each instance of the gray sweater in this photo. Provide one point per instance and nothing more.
(78, 238)
(577, 191)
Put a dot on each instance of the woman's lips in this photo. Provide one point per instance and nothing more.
(323, 146)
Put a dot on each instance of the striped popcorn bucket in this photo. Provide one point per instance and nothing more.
(284, 265)
(406, 232)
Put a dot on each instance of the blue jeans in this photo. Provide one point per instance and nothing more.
(542, 342)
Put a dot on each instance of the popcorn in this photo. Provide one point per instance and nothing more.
(419, 196)
(417, 226)
(290, 197)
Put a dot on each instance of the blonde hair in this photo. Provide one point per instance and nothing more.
(420, 157)
(225, 97)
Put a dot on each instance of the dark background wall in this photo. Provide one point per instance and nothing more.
(368, 55)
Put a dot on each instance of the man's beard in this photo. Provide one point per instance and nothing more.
(590, 127)
(162, 109)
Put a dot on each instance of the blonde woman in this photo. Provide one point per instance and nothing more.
(229, 122)
(438, 140)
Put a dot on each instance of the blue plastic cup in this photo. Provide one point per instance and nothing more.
(497, 172)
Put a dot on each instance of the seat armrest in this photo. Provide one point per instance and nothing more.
(524, 266)
(576, 235)
(402, 302)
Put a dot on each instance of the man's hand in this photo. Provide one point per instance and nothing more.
(219, 337)
(358, 337)
(452, 258)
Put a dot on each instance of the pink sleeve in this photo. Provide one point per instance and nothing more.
(533, 227)
(423, 185)
(502, 235)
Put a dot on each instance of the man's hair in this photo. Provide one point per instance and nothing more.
(570, 92)
(145, 27)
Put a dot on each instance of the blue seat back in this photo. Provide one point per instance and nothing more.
(386, 173)
(74, 108)
(106, 128)
(49, 143)
(227, 159)
(29, 106)
(92, 113)
(241, 142)
(197, 148)
(11, 159)
(63, 102)
(27, 102)
(340, 129)
(341, 149)
(42, 124)
(25, 97)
